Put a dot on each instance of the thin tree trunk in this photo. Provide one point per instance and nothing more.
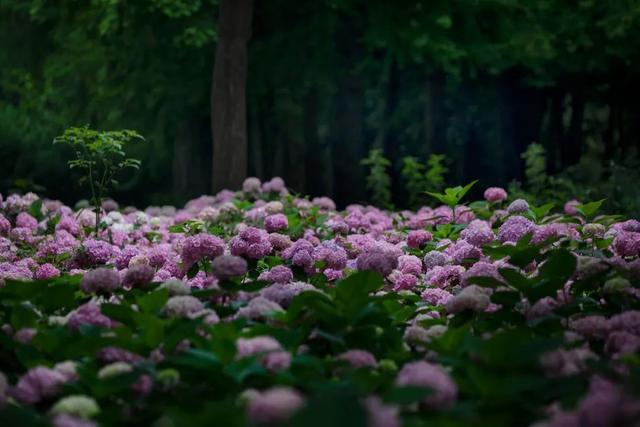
(228, 95)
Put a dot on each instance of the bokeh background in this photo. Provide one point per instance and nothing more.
(475, 80)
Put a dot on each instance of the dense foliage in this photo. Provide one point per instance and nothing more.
(477, 81)
(260, 307)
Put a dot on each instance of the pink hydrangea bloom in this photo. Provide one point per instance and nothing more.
(273, 406)
(38, 384)
(201, 246)
(424, 374)
(495, 194)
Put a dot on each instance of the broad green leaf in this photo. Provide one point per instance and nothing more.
(353, 292)
(153, 301)
(588, 210)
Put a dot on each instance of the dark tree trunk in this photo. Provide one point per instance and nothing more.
(228, 95)
(190, 150)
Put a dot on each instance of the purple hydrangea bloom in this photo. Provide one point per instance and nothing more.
(592, 327)
(564, 363)
(358, 358)
(228, 266)
(252, 242)
(515, 228)
(473, 298)
(273, 406)
(478, 233)
(417, 238)
(5, 225)
(433, 259)
(462, 250)
(278, 274)
(380, 414)
(570, 207)
(97, 252)
(628, 321)
(518, 206)
(46, 271)
(276, 222)
(333, 255)
(402, 281)
(259, 308)
(481, 269)
(100, 280)
(627, 244)
(444, 276)
(275, 185)
(424, 374)
(88, 314)
(436, 296)
(113, 354)
(300, 254)
(201, 246)
(324, 203)
(382, 257)
(24, 220)
(246, 347)
(409, 264)
(284, 293)
(38, 384)
(183, 306)
(138, 275)
(251, 185)
(495, 194)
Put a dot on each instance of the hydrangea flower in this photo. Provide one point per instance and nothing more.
(273, 406)
(201, 246)
(515, 228)
(424, 374)
(37, 384)
(252, 242)
(100, 280)
(226, 267)
(495, 194)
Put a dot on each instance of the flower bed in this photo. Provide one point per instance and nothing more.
(262, 308)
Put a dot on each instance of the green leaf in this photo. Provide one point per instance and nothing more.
(406, 395)
(120, 312)
(151, 328)
(195, 268)
(336, 406)
(153, 301)
(588, 210)
(196, 358)
(516, 280)
(540, 212)
(559, 266)
(352, 293)
(23, 317)
(35, 210)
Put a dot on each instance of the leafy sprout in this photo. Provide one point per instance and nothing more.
(100, 156)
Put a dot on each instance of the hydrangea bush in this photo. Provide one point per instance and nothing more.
(263, 308)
